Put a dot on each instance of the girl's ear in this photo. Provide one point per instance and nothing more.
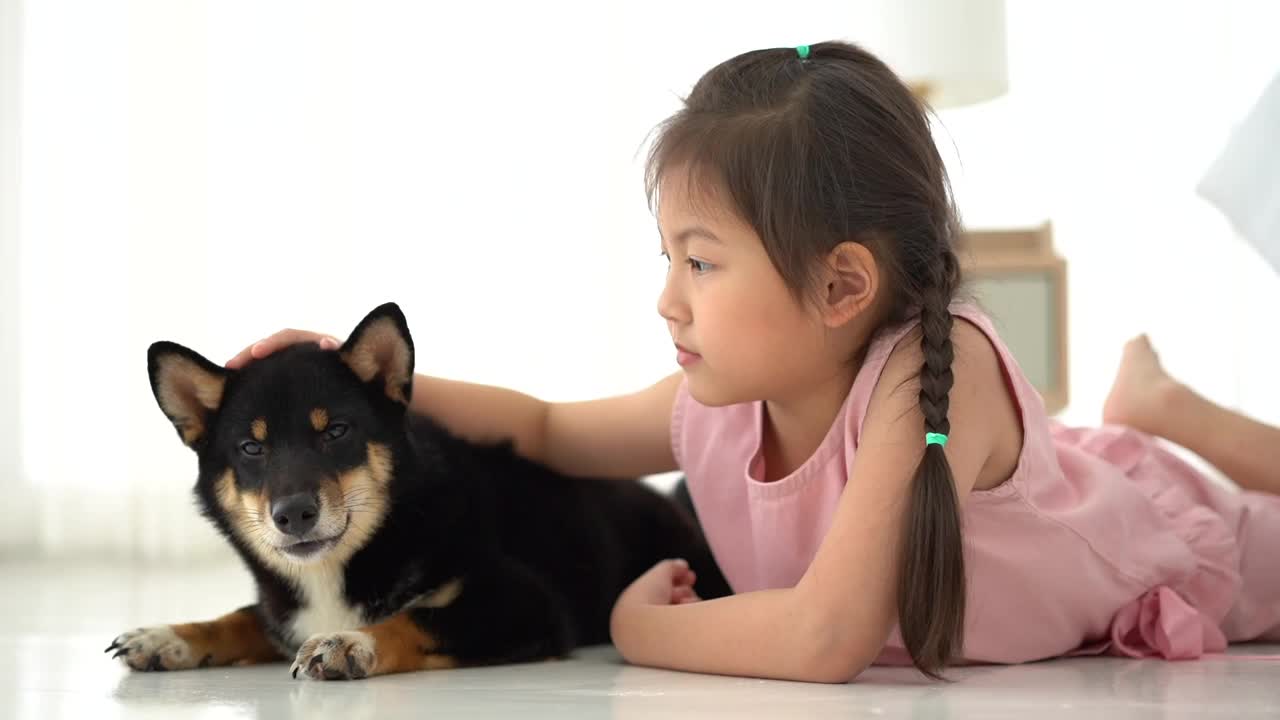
(852, 280)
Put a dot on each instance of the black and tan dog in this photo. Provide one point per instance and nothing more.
(381, 543)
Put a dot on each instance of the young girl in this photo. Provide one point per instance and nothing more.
(876, 476)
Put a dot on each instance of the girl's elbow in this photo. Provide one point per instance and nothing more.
(833, 655)
(833, 667)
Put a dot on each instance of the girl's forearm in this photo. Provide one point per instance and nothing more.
(760, 634)
(483, 413)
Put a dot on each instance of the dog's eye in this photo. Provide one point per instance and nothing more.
(251, 448)
(335, 431)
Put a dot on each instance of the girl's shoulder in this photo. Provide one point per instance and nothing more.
(896, 355)
(977, 356)
(988, 389)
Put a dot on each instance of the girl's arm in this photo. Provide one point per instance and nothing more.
(835, 621)
(624, 436)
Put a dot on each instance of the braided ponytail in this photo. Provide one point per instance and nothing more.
(931, 583)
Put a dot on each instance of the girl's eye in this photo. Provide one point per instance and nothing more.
(699, 266)
(335, 430)
(251, 448)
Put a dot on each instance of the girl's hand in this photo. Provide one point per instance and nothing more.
(670, 582)
(282, 339)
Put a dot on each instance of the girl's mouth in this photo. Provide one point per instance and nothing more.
(685, 357)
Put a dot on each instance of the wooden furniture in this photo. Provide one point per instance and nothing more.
(1017, 278)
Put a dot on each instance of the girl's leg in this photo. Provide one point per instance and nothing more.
(1145, 397)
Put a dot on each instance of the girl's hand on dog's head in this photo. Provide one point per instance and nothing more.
(279, 340)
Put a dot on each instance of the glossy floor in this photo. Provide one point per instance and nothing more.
(55, 621)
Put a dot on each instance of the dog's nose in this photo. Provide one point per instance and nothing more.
(295, 514)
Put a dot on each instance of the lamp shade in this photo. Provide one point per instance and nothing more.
(951, 51)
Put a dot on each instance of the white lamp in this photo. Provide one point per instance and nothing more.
(951, 52)
(1244, 182)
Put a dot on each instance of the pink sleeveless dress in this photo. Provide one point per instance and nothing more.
(1102, 540)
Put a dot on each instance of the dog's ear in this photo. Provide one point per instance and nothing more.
(380, 347)
(188, 388)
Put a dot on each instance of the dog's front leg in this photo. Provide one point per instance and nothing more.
(502, 615)
(397, 644)
(236, 638)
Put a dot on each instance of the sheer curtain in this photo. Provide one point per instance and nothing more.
(15, 528)
(210, 172)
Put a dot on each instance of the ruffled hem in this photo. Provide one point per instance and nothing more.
(1181, 619)
(1162, 624)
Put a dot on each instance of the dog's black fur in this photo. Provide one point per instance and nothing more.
(449, 552)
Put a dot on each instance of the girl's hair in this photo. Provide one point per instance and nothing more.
(815, 152)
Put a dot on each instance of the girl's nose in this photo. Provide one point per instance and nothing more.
(670, 306)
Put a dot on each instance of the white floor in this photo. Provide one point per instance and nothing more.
(55, 622)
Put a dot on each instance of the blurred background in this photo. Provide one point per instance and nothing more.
(210, 172)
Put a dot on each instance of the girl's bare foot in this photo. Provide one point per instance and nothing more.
(1142, 394)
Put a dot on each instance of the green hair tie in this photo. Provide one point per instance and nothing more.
(934, 439)
(803, 52)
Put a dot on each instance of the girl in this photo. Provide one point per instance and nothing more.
(876, 476)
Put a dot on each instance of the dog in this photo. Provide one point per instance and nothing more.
(379, 541)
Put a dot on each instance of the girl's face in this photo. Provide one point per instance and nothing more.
(740, 334)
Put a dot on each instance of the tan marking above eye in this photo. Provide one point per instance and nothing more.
(319, 419)
(259, 429)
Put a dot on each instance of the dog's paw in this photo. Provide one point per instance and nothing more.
(336, 656)
(155, 648)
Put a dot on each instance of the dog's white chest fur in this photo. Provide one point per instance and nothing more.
(323, 607)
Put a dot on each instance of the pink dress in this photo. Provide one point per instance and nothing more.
(1102, 541)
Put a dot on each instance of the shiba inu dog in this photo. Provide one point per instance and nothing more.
(380, 542)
